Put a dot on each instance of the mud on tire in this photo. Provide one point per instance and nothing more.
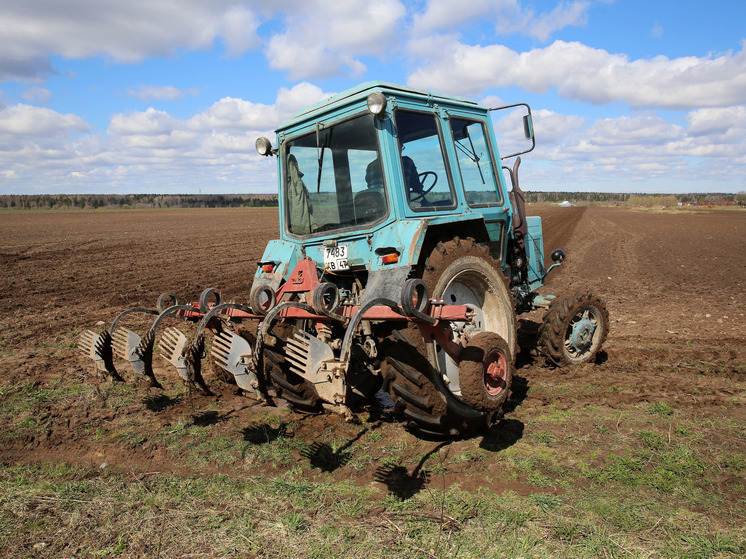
(485, 372)
(419, 393)
(574, 329)
(461, 272)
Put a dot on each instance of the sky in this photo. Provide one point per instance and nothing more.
(169, 97)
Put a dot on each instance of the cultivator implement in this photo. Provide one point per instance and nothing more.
(310, 352)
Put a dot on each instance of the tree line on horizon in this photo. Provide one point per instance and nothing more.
(134, 201)
(145, 201)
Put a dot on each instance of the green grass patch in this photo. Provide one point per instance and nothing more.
(61, 510)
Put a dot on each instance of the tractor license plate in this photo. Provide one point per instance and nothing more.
(335, 258)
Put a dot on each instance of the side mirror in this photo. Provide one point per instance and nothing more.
(528, 127)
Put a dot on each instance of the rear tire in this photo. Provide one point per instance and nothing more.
(422, 380)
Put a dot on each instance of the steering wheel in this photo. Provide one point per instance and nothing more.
(422, 177)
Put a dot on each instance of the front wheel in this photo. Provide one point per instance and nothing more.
(574, 329)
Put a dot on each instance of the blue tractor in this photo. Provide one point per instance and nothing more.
(403, 259)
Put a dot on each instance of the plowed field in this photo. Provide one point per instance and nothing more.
(674, 283)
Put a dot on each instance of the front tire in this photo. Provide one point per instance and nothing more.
(574, 329)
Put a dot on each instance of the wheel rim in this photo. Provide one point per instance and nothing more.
(582, 333)
(471, 288)
(495, 373)
(459, 293)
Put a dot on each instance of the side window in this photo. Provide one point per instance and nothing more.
(475, 162)
(425, 174)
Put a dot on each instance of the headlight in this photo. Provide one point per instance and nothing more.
(377, 103)
(263, 146)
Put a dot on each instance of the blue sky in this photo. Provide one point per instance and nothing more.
(168, 97)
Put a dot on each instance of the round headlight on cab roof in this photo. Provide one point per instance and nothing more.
(263, 146)
(377, 103)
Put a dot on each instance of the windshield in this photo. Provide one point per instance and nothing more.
(333, 178)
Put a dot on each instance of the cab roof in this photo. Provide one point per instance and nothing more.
(363, 90)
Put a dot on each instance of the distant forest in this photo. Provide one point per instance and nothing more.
(132, 201)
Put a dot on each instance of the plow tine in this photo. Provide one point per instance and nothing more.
(98, 348)
(172, 345)
(233, 353)
(125, 342)
(193, 358)
(138, 351)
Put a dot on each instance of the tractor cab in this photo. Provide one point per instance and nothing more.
(372, 176)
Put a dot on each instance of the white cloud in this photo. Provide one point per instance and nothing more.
(716, 120)
(38, 95)
(159, 93)
(150, 122)
(240, 115)
(542, 26)
(447, 14)
(324, 38)
(33, 30)
(639, 131)
(147, 150)
(26, 121)
(583, 73)
(509, 17)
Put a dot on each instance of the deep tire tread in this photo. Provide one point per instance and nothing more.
(555, 323)
(418, 390)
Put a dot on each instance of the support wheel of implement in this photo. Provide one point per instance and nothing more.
(485, 372)
(298, 392)
(574, 329)
(423, 380)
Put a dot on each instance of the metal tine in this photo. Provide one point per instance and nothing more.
(87, 344)
(98, 348)
(233, 353)
(138, 351)
(232, 350)
(171, 339)
(125, 343)
(172, 345)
